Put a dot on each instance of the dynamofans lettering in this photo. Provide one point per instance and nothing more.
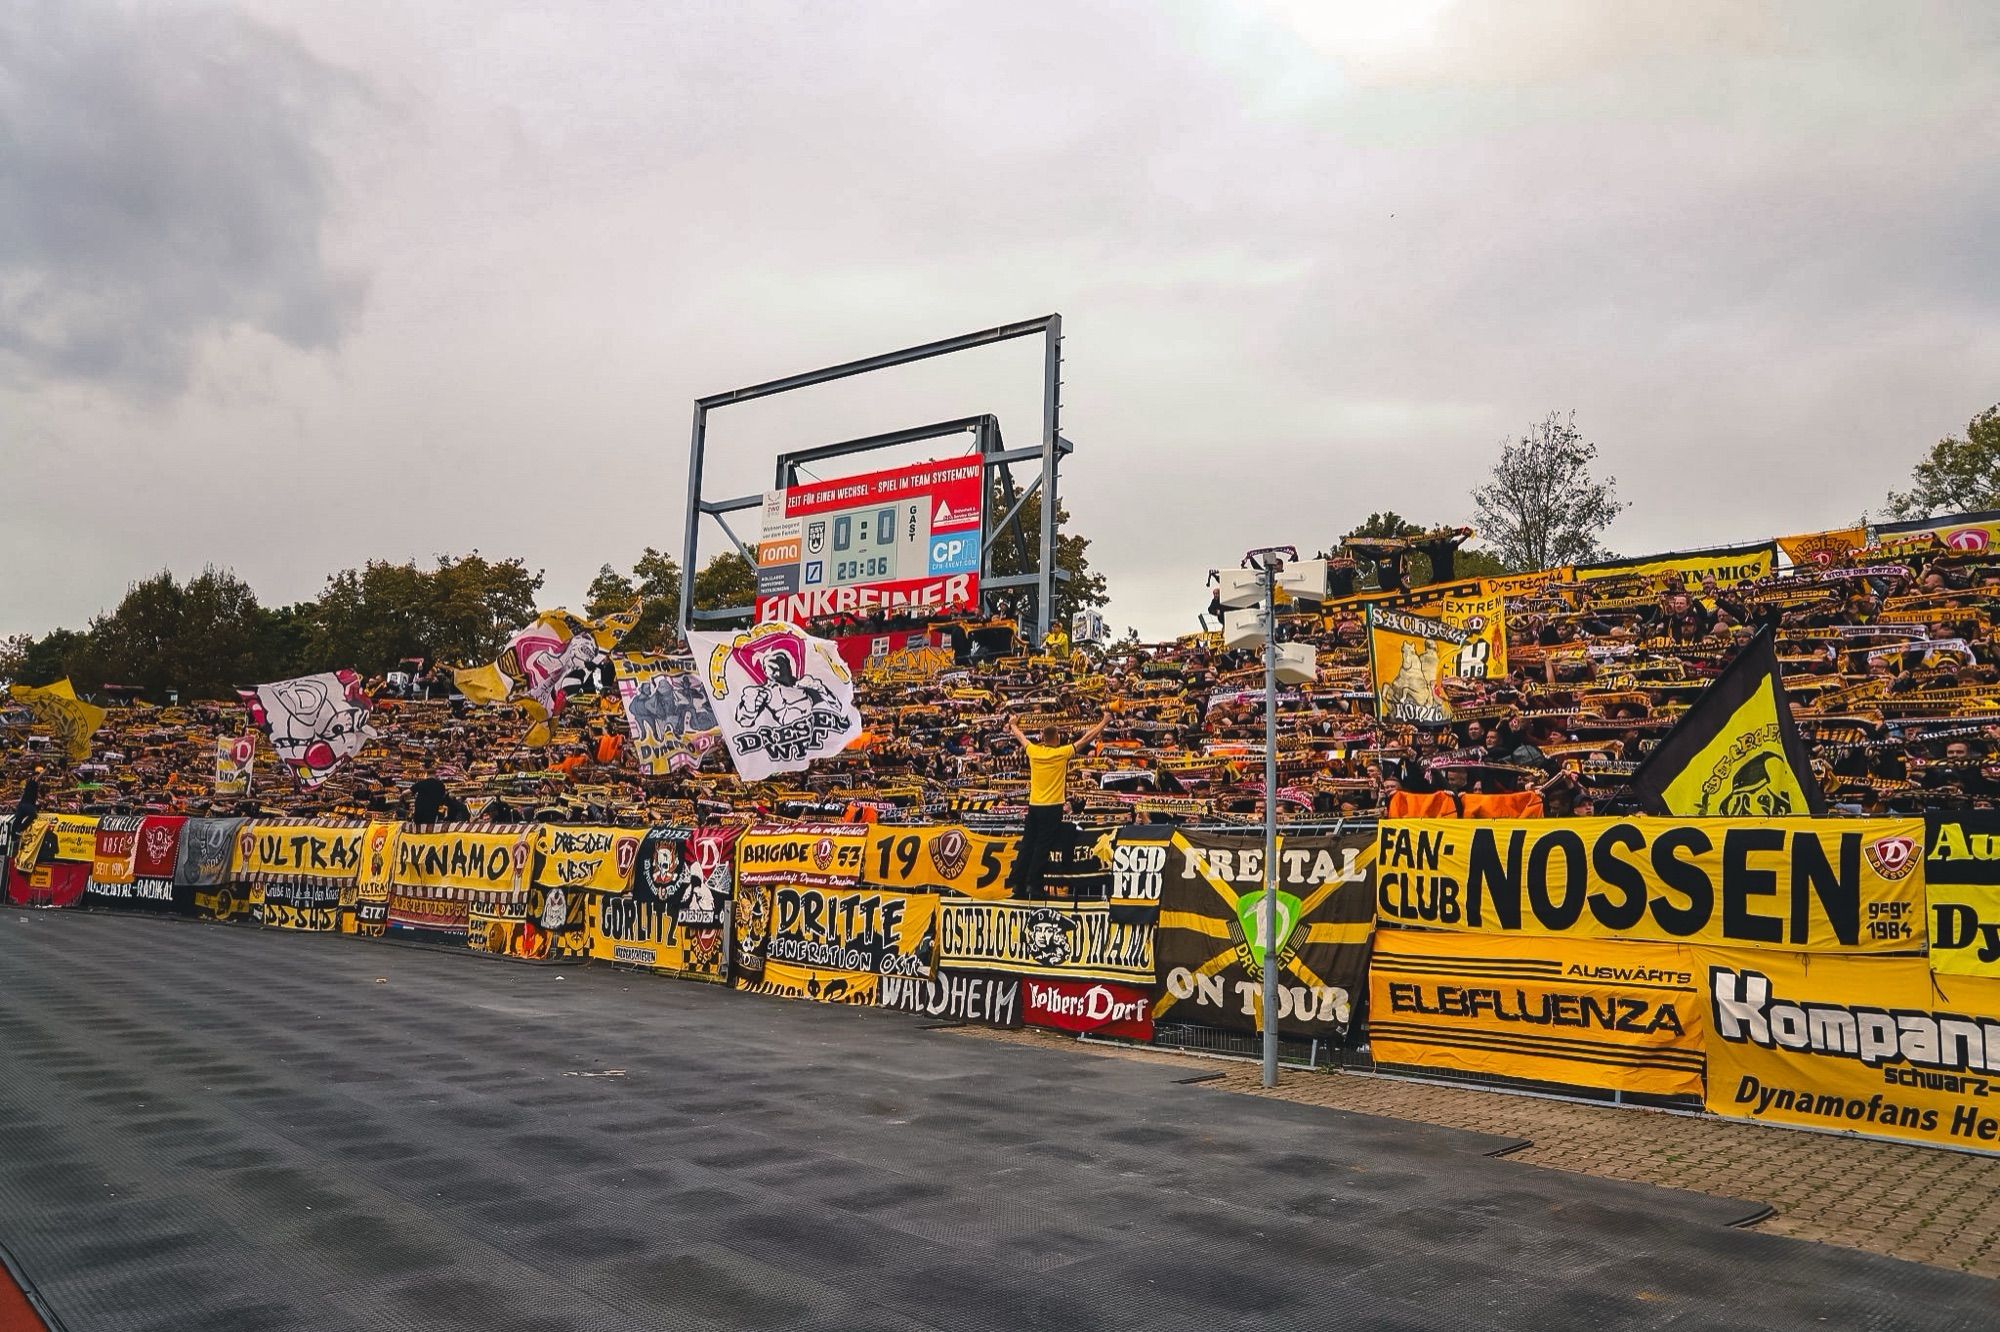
(1745, 1011)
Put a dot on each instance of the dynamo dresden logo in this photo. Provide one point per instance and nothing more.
(949, 851)
(1893, 857)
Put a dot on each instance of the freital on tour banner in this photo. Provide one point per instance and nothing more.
(1736, 752)
(1621, 1016)
(782, 698)
(939, 857)
(827, 854)
(1875, 1045)
(1817, 885)
(1728, 565)
(1210, 942)
(1409, 657)
(1962, 881)
(598, 860)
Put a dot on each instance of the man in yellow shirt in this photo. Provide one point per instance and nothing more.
(1048, 788)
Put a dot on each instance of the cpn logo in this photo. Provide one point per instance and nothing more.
(951, 554)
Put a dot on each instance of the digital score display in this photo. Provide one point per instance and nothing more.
(909, 537)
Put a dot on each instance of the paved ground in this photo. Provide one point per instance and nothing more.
(221, 1128)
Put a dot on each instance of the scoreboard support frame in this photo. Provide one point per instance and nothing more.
(1037, 557)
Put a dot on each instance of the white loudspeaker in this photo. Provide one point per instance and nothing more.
(1297, 664)
(1245, 628)
(1240, 588)
(1305, 579)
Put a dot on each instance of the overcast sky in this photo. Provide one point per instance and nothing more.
(285, 286)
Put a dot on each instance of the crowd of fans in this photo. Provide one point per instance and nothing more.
(1890, 662)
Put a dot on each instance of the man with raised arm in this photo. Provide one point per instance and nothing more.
(1048, 787)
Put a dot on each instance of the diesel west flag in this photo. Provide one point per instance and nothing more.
(1735, 753)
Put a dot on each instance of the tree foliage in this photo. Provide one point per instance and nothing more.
(1390, 524)
(1543, 509)
(1085, 588)
(1957, 475)
(727, 580)
(460, 611)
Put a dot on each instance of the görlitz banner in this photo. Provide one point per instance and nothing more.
(1621, 1016)
(1728, 565)
(640, 933)
(941, 856)
(990, 1000)
(828, 855)
(1962, 881)
(861, 930)
(1210, 943)
(1068, 942)
(588, 859)
(1817, 885)
(1875, 1045)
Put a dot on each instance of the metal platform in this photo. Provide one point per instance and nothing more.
(220, 1128)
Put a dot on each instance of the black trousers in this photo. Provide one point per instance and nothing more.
(1041, 834)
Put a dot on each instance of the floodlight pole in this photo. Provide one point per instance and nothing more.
(1270, 560)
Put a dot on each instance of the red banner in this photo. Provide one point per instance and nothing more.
(1114, 1010)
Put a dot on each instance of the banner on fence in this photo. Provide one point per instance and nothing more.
(1210, 943)
(951, 996)
(1821, 885)
(861, 930)
(1868, 1044)
(1079, 942)
(1103, 1008)
(456, 859)
(1620, 1016)
(635, 932)
(598, 860)
(71, 838)
(828, 855)
(944, 856)
(208, 849)
(1962, 883)
(785, 981)
(115, 844)
(268, 849)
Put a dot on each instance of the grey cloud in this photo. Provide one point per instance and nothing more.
(159, 183)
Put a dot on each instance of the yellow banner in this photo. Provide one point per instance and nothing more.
(1819, 885)
(1621, 1016)
(1483, 618)
(1409, 658)
(1871, 1045)
(1729, 565)
(1528, 584)
(460, 861)
(826, 854)
(941, 856)
(1962, 882)
(313, 850)
(69, 719)
(863, 930)
(597, 859)
(644, 934)
(75, 840)
(1824, 550)
(826, 987)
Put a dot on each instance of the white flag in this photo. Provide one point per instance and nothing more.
(782, 697)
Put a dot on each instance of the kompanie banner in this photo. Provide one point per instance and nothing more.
(939, 857)
(1586, 1012)
(1210, 942)
(1728, 565)
(1409, 657)
(1962, 885)
(1874, 1045)
(1814, 885)
(827, 855)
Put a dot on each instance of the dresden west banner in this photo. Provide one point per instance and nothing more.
(1962, 881)
(1409, 657)
(782, 698)
(1210, 942)
(1728, 565)
(1816, 885)
(1736, 752)
(598, 860)
(1620, 1016)
(938, 857)
(1875, 1045)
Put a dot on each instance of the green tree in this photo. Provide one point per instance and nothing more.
(726, 580)
(1470, 563)
(1543, 509)
(1957, 475)
(609, 591)
(460, 611)
(1085, 588)
(657, 578)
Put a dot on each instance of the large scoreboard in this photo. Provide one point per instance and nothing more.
(900, 539)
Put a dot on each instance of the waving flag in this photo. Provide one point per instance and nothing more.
(540, 661)
(782, 697)
(316, 722)
(672, 721)
(71, 720)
